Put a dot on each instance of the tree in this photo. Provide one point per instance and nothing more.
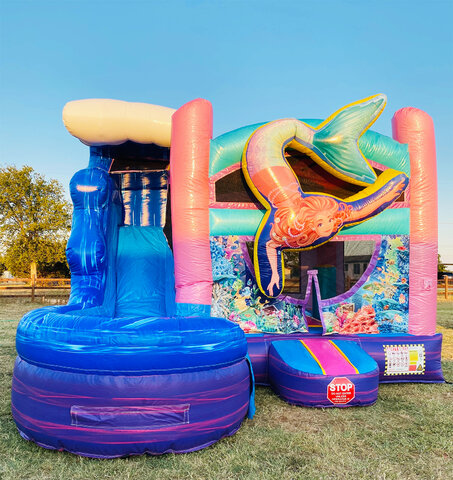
(440, 266)
(2, 267)
(35, 220)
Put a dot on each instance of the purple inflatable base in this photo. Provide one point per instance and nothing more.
(293, 377)
(311, 391)
(110, 457)
(303, 402)
(259, 345)
(102, 416)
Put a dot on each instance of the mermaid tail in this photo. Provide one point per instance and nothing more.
(337, 139)
(333, 145)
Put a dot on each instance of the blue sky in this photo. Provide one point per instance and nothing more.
(254, 60)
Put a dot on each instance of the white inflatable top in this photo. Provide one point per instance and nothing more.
(101, 121)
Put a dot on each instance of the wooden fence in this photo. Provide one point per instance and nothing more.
(35, 287)
(26, 287)
(445, 287)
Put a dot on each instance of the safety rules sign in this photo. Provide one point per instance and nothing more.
(340, 391)
(404, 359)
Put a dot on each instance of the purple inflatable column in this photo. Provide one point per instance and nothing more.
(191, 134)
(415, 127)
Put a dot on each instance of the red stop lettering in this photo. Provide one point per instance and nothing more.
(340, 391)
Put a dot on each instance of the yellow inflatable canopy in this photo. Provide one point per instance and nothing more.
(100, 121)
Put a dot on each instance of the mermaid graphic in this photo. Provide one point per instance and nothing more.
(302, 220)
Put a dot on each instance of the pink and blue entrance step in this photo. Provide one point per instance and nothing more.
(320, 372)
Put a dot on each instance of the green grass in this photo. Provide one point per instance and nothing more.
(445, 313)
(407, 434)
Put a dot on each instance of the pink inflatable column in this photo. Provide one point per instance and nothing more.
(415, 127)
(191, 134)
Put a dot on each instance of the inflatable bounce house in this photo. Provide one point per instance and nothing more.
(304, 251)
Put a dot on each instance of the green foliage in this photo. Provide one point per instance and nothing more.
(55, 270)
(35, 220)
(49, 256)
(2, 267)
(440, 266)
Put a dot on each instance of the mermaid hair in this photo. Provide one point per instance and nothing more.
(294, 221)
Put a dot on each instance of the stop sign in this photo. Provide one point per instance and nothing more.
(340, 391)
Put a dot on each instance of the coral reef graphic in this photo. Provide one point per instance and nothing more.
(236, 295)
(381, 304)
